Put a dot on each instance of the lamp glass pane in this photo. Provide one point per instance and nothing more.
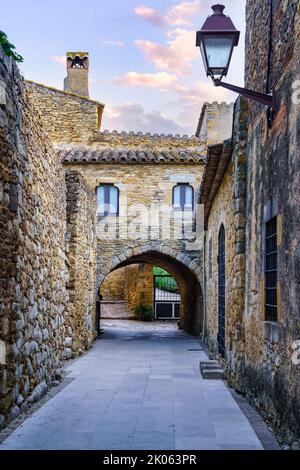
(218, 51)
(203, 55)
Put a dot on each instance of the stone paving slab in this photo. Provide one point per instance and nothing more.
(139, 388)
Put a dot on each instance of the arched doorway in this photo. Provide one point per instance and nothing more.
(221, 292)
(191, 305)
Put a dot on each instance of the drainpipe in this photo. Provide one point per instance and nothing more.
(268, 82)
(270, 113)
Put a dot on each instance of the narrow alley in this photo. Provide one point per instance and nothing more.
(140, 387)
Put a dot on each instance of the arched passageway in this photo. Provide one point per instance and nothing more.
(191, 307)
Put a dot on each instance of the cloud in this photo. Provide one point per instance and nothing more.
(186, 105)
(194, 95)
(180, 14)
(59, 59)
(160, 80)
(132, 117)
(151, 15)
(191, 99)
(201, 92)
(111, 42)
(176, 56)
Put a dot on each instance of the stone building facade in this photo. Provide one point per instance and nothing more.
(215, 122)
(271, 377)
(254, 194)
(223, 194)
(54, 249)
(146, 229)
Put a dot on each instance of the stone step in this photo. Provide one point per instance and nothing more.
(211, 370)
(209, 364)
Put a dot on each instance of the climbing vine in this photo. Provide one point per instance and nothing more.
(8, 48)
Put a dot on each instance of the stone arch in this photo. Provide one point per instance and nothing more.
(185, 270)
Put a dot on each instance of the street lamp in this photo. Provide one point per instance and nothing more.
(217, 39)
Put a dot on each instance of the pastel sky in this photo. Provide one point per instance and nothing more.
(144, 65)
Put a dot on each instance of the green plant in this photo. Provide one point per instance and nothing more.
(8, 48)
(168, 283)
(143, 313)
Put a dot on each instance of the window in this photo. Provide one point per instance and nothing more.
(183, 197)
(271, 270)
(210, 259)
(107, 200)
(222, 291)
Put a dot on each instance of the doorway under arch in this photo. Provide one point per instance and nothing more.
(189, 285)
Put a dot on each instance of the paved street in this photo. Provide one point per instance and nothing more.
(138, 388)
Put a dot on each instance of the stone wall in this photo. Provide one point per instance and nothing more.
(32, 251)
(215, 123)
(139, 285)
(113, 288)
(115, 310)
(133, 284)
(81, 255)
(66, 117)
(228, 208)
(271, 379)
(284, 50)
(221, 213)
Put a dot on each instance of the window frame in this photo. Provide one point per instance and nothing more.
(183, 197)
(271, 256)
(107, 187)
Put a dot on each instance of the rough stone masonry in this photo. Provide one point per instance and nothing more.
(33, 276)
(47, 252)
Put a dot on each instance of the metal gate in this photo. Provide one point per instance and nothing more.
(221, 291)
(166, 298)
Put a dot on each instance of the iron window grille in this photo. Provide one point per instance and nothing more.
(271, 270)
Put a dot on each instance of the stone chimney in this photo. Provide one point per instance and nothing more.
(77, 80)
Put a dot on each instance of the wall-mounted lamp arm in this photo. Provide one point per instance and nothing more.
(267, 100)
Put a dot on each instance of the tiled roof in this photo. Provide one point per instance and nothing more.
(114, 155)
(218, 158)
(129, 135)
(139, 140)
